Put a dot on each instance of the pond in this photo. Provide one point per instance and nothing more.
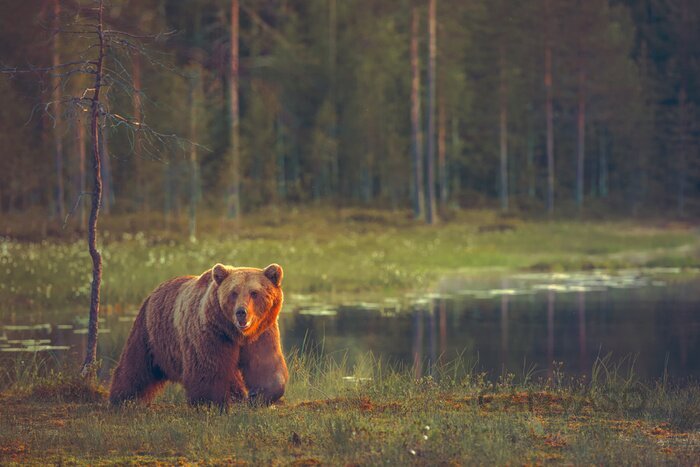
(520, 323)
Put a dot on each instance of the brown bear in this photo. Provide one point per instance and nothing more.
(216, 334)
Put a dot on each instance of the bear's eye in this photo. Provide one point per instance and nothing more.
(253, 294)
(234, 296)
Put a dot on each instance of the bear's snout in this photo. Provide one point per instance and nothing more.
(242, 316)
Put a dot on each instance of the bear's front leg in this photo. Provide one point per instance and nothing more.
(239, 392)
(215, 390)
(264, 368)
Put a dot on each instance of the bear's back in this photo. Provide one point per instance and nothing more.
(171, 307)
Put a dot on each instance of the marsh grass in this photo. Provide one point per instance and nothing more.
(372, 412)
(338, 411)
(327, 252)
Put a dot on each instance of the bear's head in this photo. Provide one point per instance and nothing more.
(251, 298)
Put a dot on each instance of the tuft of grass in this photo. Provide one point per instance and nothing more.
(60, 387)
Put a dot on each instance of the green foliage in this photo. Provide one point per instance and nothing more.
(324, 98)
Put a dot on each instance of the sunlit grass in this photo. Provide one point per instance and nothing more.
(337, 412)
(328, 252)
(371, 413)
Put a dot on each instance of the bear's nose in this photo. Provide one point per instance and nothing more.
(241, 313)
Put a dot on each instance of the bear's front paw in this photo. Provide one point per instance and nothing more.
(239, 394)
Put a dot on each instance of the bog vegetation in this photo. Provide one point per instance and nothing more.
(371, 413)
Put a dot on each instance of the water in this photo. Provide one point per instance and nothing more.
(520, 323)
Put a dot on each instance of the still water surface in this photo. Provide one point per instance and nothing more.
(516, 323)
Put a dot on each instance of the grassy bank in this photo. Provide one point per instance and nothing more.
(369, 414)
(344, 252)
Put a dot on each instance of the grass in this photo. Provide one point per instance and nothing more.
(330, 253)
(384, 415)
(372, 412)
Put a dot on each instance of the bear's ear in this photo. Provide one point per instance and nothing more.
(274, 273)
(219, 272)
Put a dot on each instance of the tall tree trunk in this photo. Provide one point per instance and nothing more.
(142, 185)
(168, 195)
(682, 148)
(280, 149)
(106, 165)
(550, 120)
(56, 98)
(80, 141)
(581, 130)
(442, 162)
(603, 164)
(684, 117)
(234, 201)
(530, 154)
(333, 124)
(89, 365)
(503, 128)
(416, 125)
(431, 208)
(456, 151)
(194, 101)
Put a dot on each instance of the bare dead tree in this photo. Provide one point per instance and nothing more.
(91, 25)
(91, 351)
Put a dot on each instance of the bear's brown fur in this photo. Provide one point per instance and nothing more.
(215, 333)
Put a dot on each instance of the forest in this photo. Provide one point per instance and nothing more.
(545, 106)
(486, 212)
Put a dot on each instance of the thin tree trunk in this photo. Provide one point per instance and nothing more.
(456, 154)
(530, 154)
(56, 98)
(581, 129)
(603, 165)
(442, 162)
(234, 202)
(89, 365)
(106, 166)
(431, 208)
(549, 116)
(142, 185)
(195, 95)
(333, 124)
(683, 148)
(416, 125)
(168, 195)
(503, 129)
(684, 117)
(280, 149)
(80, 137)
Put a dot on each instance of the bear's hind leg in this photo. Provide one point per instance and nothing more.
(136, 377)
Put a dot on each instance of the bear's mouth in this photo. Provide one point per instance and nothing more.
(243, 325)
